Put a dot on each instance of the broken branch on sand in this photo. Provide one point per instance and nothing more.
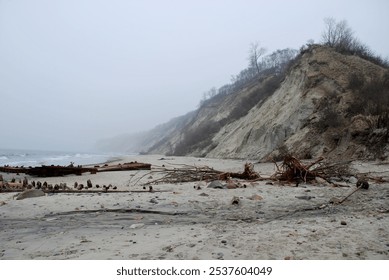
(119, 210)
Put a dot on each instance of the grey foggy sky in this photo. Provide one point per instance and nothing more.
(75, 71)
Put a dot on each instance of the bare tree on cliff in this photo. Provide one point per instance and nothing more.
(255, 53)
(337, 34)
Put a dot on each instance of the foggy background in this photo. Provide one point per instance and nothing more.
(75, 71)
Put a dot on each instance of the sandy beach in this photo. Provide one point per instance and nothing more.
(191, 221)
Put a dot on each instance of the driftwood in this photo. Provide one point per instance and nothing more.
(125, 166)
(58, 170)
(187, 173)
(120, 210)
(293, 170)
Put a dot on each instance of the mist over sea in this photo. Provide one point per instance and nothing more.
(14, 157)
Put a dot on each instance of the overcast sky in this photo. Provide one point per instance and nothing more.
(75, 71)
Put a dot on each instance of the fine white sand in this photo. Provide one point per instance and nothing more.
(178, 221)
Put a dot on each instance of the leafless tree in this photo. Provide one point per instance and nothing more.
(255, 53)
(337, 34)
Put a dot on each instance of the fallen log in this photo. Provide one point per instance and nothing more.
(48, 171)
(125, 167)
(59, 171)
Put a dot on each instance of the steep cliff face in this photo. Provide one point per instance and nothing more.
(310, 111)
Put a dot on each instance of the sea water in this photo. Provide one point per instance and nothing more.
(37, 158)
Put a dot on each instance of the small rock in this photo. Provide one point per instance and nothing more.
(169, 248)
(136, 226)
(153, 200)
(231, 185)
(219, 256)
(235, 200)
(353, 180)
(30, 194)
(256, 197)
(203, 194)
(216, 185)
(334, 200)
(305, 197)
(224, 241)
(343, 223)
(363, 184)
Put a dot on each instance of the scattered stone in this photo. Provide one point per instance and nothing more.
(89, 183)
(353, 180)
(224, 241)
(363, 184)
(153, 200)
(255, 197)
(305, 197)
(136, 226)
(203, 194)
(343, 223)
(25, 181)
(231, 185)
(169, 248)
(2, 203)
(235, 200)
(334, 200)
(216, 185)
(220, 256)
(30, 194)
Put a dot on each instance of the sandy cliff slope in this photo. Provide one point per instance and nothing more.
(309, 112)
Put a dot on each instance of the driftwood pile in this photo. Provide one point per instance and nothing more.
(187, 173)
(293, 170)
